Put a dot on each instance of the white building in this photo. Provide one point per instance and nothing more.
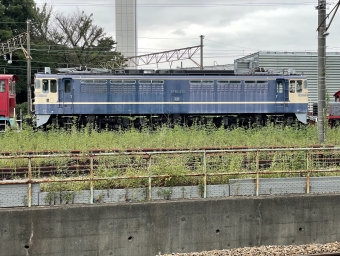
(126, 27)
(301, 62)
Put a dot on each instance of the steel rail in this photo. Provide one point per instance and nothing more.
(94, 178)
(169, 152)
(116, 150)
(84, 169)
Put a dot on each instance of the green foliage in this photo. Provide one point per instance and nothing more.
(21, 107)
(80, 41)
(63, 41)
(173, 167)
(163, 137)
(62, 197)
(13, 21)
(14, 14)
(165, 192)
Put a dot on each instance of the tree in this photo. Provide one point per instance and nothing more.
(13, 21)
(41, 27)
(81, 42)
(42, 40)
(14, 15)
(56, 40)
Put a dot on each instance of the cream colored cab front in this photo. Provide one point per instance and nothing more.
(46, 91)
(298, 91)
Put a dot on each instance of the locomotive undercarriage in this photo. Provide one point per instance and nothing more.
(102, 122)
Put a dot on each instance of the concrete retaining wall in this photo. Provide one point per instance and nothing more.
(169, 226)
(17, 195)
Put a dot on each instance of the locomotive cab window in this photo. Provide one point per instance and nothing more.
(53, 86)
(45, 86)
(299, 86)
(37, 84)
(279, 87)
(292, 86)
(12, 87)
(2, 86)
(305, 85)
(67, 86)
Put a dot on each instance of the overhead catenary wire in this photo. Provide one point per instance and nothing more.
(181, 5)
(208, 52)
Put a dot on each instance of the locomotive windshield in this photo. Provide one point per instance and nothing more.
(53, 86)
(297, 86)
(12, 87)
(37, 84)
(292, 86)
(45, 85)
(2, 86)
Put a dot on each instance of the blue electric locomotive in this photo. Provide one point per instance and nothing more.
(118, 98)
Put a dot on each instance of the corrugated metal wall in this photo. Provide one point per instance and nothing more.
(301, 62)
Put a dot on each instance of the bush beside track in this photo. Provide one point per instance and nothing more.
(87, 142)
(193, 137)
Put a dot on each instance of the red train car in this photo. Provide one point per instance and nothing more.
(333, 112)
(7, 100)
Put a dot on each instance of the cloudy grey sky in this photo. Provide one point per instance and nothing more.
(232, 28)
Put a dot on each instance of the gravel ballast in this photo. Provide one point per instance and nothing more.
(270, 250)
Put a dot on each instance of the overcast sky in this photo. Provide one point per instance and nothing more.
(232, 28)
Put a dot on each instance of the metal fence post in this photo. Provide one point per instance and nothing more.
(308, 174)
(29, 198)
(150, 181)
(205, 174)
(91, 179)
(257, 173)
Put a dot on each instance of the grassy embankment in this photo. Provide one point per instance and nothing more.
(178, 165)
(178, 137)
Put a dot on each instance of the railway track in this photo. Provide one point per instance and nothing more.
(131, 150)
(78, 162)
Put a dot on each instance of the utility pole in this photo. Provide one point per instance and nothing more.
(28, 58)
(202, 37)
(322, 33)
